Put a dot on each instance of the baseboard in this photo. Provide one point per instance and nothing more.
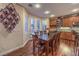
(26, 42)
(13, 49)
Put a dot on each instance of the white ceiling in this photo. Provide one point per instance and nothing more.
(58, 9)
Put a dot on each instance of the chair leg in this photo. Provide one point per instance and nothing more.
(47, 48)
(38, 51)
(33, 49)
(52, 49)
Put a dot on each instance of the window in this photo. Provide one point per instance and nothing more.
(38, 24)
(44, 24)
(26, 24)
(32, 24)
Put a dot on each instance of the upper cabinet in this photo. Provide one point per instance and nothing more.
(64, 22)
(68, 22)
(52, 22)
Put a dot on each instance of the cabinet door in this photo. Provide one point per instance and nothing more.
(52, 23)
(76, 19)
(67, 22)
(70, 21)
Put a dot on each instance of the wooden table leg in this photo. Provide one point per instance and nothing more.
(47, 47)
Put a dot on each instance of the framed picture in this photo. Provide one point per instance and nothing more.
(9, 17)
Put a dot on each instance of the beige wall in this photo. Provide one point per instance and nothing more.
(26, 35)
(16, 39)
(9, 41)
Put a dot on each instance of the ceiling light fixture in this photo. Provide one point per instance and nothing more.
(52, 15)
(46, 12)
(37, 5)
(75, 10)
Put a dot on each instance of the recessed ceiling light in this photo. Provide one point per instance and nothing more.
(37, 5)
(52, 15)
(46, 12)
(75, 10)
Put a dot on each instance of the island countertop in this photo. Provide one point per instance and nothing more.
(47, 36)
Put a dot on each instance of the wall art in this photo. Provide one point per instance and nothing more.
(9, 17)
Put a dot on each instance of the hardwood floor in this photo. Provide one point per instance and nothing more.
(25, 51)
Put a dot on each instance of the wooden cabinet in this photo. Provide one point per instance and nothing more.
(52, 23)
(68, 39)
(68, 22)
(66, 35)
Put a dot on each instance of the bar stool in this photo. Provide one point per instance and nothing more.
(55, 43)
(35, 44)
(38, 46)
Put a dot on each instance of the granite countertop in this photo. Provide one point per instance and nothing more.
(76, 29)
(68, 29)
(65, 29)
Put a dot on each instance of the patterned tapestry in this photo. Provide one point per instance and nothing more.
(9, 17)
